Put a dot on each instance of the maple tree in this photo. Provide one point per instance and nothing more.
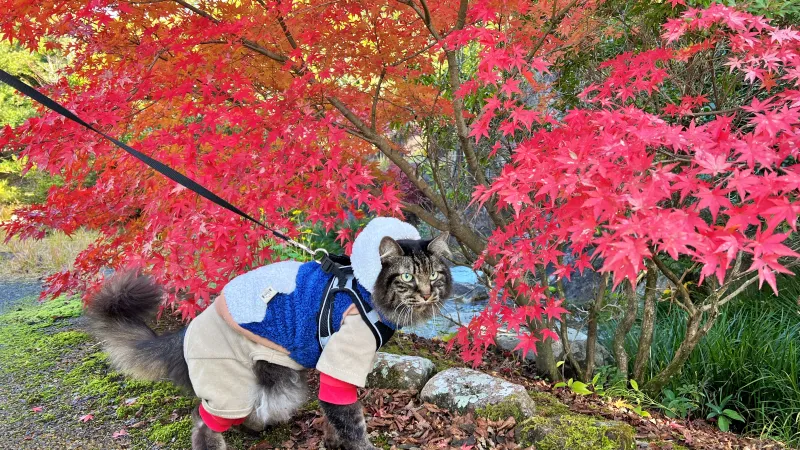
(655, 173)
(276, 106)
(284, 107)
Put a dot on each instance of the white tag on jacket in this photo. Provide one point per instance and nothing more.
(267, 294)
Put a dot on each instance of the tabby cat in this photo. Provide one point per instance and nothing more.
(409, 288)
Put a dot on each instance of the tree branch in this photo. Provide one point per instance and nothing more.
(552, 23)
(687, 299)
(374, 111)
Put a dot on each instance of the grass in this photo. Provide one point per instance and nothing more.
(53, 365)
(752, 353)
(37, 258)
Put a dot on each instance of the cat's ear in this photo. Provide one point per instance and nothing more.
(389, 247)
(439, 246)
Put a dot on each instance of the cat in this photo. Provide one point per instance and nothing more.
(411, 280)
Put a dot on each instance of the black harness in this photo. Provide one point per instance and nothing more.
(344, 281)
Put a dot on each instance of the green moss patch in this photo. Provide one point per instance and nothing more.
(576, 432)
(178, 432)
(400, 345)
(502, 411)
(547, 405)
(55, 375)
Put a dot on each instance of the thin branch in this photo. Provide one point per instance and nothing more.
(426, 215)
(710, 113)
(731, 296)
(412, 55)
(552, 23)
(266, 52)
(285, 28)
(197, 10)
(374, 111)
(687, 299)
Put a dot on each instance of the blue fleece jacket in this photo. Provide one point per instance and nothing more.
(291, 318)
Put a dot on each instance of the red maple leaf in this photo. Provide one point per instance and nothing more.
(527, 343)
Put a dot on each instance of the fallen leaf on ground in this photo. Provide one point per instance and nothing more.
(120, 433)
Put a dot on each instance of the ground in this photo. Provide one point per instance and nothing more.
(59, 392)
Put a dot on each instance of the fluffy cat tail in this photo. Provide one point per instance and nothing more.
(117, 316)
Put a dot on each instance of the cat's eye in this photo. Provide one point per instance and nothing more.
(434, 275)
(406, 277)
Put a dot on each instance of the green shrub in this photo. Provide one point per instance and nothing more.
(751, 354)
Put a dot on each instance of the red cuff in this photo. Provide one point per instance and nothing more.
(336, 391)
(216, 423)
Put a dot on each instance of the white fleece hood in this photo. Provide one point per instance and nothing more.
(366, 258)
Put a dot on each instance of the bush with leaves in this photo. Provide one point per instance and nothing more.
(651, 176)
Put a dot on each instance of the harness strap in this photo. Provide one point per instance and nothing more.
(156, 165)
(344, 281)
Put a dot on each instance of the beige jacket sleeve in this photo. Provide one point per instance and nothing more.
(350, 353)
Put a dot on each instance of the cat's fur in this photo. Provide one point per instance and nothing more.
(118, 315)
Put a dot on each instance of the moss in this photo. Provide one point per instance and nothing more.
(277, 434)
(178, 433)
(43, 314)
(547, 405)
(312, 405)
(160, 398)
(401, 346)
(51, 365)
(47, 417)
(502, 411)
(381, 441)
(28, 346)
(575, 432)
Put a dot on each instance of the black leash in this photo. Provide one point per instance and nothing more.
(158, 166)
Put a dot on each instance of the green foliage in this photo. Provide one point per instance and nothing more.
(783, 12)
(723, 414)
(575, 386)
(752, 355)
(34, 68)
(679, 405)
(28, 188)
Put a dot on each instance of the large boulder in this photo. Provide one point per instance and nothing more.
(400, 372)
(461, 390)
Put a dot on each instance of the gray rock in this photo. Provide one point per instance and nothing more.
(581, 289)
(577, 345)
(460, 390)
(400, 372)
(469, 293)
(577, 342)
(508, 342)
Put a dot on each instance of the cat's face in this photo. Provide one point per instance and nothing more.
(414, 279)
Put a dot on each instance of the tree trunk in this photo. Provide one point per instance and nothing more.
(693, 335)
(591, 333)
(648, 322)
(631, 308)
(545, 360)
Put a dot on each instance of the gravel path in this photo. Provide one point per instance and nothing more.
(14, 291)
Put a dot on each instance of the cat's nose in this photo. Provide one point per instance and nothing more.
(426, 296)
